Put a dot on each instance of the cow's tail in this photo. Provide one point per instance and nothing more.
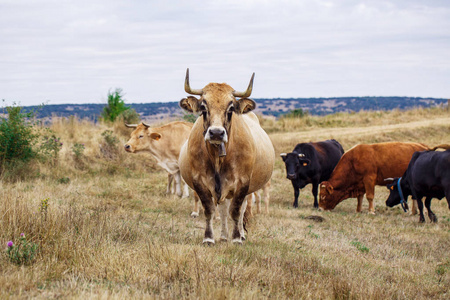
(441, 146)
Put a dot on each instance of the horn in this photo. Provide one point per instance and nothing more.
(283, 154)
(131, 125)
(145, 124)
(389, 179)
(187, 87)
(248, 92)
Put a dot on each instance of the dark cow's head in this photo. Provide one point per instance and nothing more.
(296, 167)
(217, 104)
(395, 197)
(141, 138)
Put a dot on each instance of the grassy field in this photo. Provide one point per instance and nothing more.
(109, 230)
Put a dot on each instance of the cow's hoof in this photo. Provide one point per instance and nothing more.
(433, 219)
(223, 239)
(237, 241)
(194, 214)
(184, 196)
(208, 241)
(421, 220)
(371, 213)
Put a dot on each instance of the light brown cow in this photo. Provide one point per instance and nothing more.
(361, 168)
(164, 144)
(227, 156)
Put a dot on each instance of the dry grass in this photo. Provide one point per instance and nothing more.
(111, 232)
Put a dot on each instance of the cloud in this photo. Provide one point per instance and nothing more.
(75, 51)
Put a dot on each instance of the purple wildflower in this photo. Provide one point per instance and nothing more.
(61, 144)
(10, 244)
(22, 234)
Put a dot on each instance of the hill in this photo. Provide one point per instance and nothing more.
(269, 107)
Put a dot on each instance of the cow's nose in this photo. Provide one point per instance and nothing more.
(291, 176)
(127, 147)
(216, 133)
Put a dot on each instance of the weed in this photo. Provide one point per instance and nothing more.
(359, 246)
(23, 253)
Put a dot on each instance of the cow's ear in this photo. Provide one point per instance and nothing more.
(283, 156)
(245, 105)
(304, 161)
(327, 186)
(156, 136)
(190, 104)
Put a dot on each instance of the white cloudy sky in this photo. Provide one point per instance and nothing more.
(74, 51)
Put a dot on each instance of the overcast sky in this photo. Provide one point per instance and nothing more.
(64, 51)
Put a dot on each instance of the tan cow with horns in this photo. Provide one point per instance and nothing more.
(227, 156)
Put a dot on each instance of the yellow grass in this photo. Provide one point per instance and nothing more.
(111, 232)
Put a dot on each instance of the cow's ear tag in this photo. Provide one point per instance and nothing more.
(392, 187)
(305, 164)
(155, 136)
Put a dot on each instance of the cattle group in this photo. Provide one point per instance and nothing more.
(226, 158)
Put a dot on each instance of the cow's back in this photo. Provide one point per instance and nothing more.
(329, 153)
(429, 170)
(383, 160)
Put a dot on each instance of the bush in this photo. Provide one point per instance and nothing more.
(115, 107)
(17, 139)
(23, 253)
(296, 113)
(109, 145)
(50, 147)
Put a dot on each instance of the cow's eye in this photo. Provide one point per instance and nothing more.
(203, 108)
(141, 136)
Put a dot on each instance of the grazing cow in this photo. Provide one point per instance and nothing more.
(427, 175)
(164, 144)
(227, 156)
(311, 163)
(361, 168)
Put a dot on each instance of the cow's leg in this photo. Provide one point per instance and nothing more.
(431, 215)
(195, 212)
(447, 193)
(296, 194)
(241, 217)
(360, 201)
(177, 176)
(223, 209)
(266, 190)
(185, 190)
(169, 183)
(249, 205)
(209, 207)
(369, 186)
(235, 212)
(420, 205)
(258, 201)
(315, 186)
(414, 207)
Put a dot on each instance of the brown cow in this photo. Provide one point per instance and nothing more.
(361, 168)
(227, 156)
(164, 144)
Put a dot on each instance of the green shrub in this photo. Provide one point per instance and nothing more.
(50, 147)
(115, 106)
(296, 113)
(17, 139)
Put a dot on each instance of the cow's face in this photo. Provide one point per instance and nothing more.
(217, 105)
(141, 139)
(329, 197)
(394, 195)
(296, 167)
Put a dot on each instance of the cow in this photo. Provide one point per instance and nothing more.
(227, 156)
(427, 175)
(361, 168)
(311, 163)
(164, 144)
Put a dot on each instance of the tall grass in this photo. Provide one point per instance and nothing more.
(111, 232)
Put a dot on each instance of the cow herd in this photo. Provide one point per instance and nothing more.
(226, 157)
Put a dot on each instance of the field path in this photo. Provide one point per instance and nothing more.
(326, 133)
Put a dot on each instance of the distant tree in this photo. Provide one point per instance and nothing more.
(115, 106)
(296, 113)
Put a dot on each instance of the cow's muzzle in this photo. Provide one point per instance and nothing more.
(291, 176)
(127, 148)
(216, 135)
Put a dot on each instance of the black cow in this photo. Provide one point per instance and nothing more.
(427, 175)
(311, 163)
